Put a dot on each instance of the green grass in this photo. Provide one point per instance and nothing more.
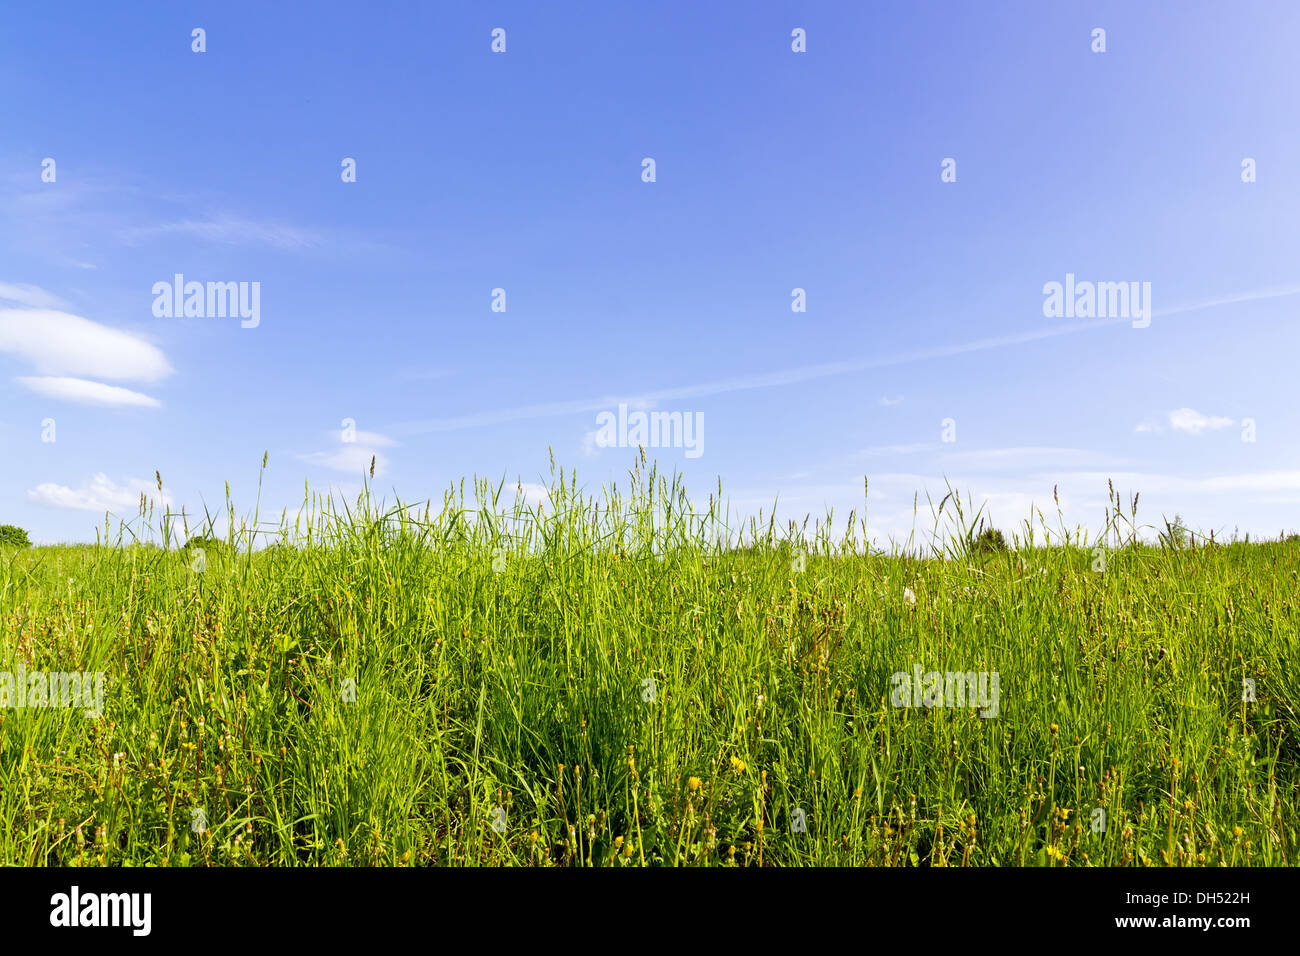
(504, 661)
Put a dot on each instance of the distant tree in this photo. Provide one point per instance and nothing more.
(990, 541)
(207, 542)
(1176, 533)
(13, 537)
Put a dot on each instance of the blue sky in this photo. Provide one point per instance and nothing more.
(774, 170)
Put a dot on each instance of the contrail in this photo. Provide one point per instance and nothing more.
(804, 373)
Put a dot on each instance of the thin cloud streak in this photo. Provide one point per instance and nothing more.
(86, 392)
(228, 230)
(806, 373)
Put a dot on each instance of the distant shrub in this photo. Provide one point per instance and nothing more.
(1176, 533)
(207, 542)
(990, 541)
(13, 537)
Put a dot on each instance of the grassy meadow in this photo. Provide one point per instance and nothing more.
(596, 681)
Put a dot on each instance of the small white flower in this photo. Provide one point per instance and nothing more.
(909, 597)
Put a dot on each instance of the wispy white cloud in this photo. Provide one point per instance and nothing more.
(99, 493)
(87, 392)
(228, 230)
(59, 343)
(993, 459)
(896, 400)
(891, 451)
(1257, 482)
(1030, 457)
(29, 295)
(532, 494)
(367, 439)
(352, 458)
(1191, 422)
(354, 455)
